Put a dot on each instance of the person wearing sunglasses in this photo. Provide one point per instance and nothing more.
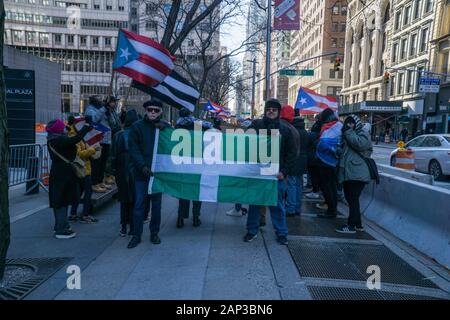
(141, 144)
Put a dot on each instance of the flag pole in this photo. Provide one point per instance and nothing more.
(113, 72)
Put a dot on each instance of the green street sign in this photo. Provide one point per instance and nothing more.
(293, 72)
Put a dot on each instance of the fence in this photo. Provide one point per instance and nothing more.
(28, 163)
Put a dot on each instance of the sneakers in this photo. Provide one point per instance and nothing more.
(105, 186)
(134, 242)
(87, 219)
(346, 229)
(123, 231)
(65, 235)
(234, 213)
(322, 206)
(282, 240)
(98, 189)
(360, 228)
(249, 237)
(312, 195)
(109, 180)
(197, 222)
(155, 239)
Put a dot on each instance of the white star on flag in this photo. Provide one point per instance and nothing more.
(302, 101)
(125, 53)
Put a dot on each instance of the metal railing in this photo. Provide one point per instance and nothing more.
(30, 164)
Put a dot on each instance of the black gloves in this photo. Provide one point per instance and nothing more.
(147, 172)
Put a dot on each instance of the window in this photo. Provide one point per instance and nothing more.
(96, 7)
(403, 49)
(70, 39)
(407, 16)
(398, 17)
(151, 8)
(413, 45)
(150, 25)
(43, 38)
(18, 36)
(419, 75)
(400, 83)
(332, 74)
(417, 5)
(344, 10)
(424, 40)
(108, 41)
(341, 43)
(95, 41)
(133, 12)
(335, 10)
(394, 52)
(431, 142)
(343, 27)
(334, 42)
(410, 80)
(415, 142)
(31, 37)
(190, 42)
(392, 89)
(335, 26)
(45, 2)
(83, 40)
(108, 7)
(57, 39)
(134, 28)
(428, 5)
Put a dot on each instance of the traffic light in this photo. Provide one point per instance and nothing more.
(337, 64)
(386, 77)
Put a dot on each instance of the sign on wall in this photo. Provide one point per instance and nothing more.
(286, 15)
(429, 85)
(20, 105)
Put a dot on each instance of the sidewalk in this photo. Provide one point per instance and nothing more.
(385, 145)
(212, 261)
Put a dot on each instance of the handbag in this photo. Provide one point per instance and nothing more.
(371, 164)
(77, 165)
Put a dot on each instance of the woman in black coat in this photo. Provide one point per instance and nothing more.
(122, 170)
(63, 183)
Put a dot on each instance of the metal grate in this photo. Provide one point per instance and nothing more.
(350, 261)
(319, 227)
(43, 268)
(334, 293)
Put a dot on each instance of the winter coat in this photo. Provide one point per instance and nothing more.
(313, 140)
(302, 160)
(83, 151)
(99, 116)
(351, 166)
(141, 143)
(121, 162)
(63, 183)
(288, 146)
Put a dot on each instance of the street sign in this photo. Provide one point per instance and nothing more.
(429, 85)
(293, 72)
(287, 15)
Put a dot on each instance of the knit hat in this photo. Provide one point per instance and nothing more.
(287, 113)
(55, 126)
(327, 115)
(153, 103)
(272, 103)
(354, 118)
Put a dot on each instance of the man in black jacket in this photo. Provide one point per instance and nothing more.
(288, 156)
(141, 145)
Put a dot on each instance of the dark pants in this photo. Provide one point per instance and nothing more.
(61, 223)
(314, 174)
(141, 187)
(183, 208)
(352, 192)
(328, 187)
(99, 165)
(86, 186)
(126, 214)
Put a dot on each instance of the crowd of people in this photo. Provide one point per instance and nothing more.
(331, 156)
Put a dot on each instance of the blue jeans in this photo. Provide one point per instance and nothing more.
(294, 194)
(86, 186)
(277, 214)
(61, 223)
(141, 187)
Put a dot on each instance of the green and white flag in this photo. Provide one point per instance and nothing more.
(211, 166)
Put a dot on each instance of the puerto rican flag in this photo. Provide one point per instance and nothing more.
(213, 107)
(310, 102)
(95, 135)
(142, 59)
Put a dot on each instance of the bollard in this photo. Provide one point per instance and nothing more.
(32, 185)
(404, 159)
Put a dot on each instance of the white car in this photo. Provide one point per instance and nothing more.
(431, 154)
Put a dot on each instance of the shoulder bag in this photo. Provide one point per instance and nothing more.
(78, 165)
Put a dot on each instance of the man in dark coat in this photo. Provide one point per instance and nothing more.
(288, 156)
(63, 183)
(312, 160)
(141, 145)
(294, 203)
(123, 171)
(186, 121)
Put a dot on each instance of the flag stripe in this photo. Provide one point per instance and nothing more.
(146, 70)
(142, 48)
(236, 190)
(146, 43)
(163, 93)
(181, 87)
(161, 67)
(138, 77)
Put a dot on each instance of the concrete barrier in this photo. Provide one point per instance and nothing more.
(407, 174)
(417, 213)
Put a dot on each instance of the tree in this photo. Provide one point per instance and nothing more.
(4, 154)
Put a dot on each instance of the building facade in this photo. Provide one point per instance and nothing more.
(80, 35)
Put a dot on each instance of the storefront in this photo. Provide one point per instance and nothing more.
(382, 115)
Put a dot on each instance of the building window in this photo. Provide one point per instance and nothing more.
(43, 38)
(392, 88)
(403, 49)
(398, 17)
(332, 74)
(121, 8)
(134, 28)
(410, 80)
(108, 41)
(151, 8)
(417, 6)
(394, 52)
(419, 75)
(407, 15)
(95, 41)
(150, 25)
(428, 6)
(343, 27)
(96, 7)
(31, 37)
(108, 7)
(83, 40)
(400, 83)
(334, 42)
(344, 10)
(335, 10)
(133, 12)
(45, 2)
(57, 39)
(341, 43)
(18, 36)
(413, 45)
(335, 27)
(70, 39)
(424, 40)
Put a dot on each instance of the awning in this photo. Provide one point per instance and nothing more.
(371, 106)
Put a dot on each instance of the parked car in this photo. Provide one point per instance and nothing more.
(431, 153)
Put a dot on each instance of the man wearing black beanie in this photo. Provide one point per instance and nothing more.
(288, 156)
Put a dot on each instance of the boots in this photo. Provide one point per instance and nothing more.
(197, 221)
(180, 222)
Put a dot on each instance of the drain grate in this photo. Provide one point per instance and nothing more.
(350, 261)
(334, 293)
(43, 268)
(318, 227)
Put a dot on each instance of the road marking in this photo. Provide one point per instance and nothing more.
(28, 213)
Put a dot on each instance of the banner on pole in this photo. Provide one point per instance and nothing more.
(287, 15)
